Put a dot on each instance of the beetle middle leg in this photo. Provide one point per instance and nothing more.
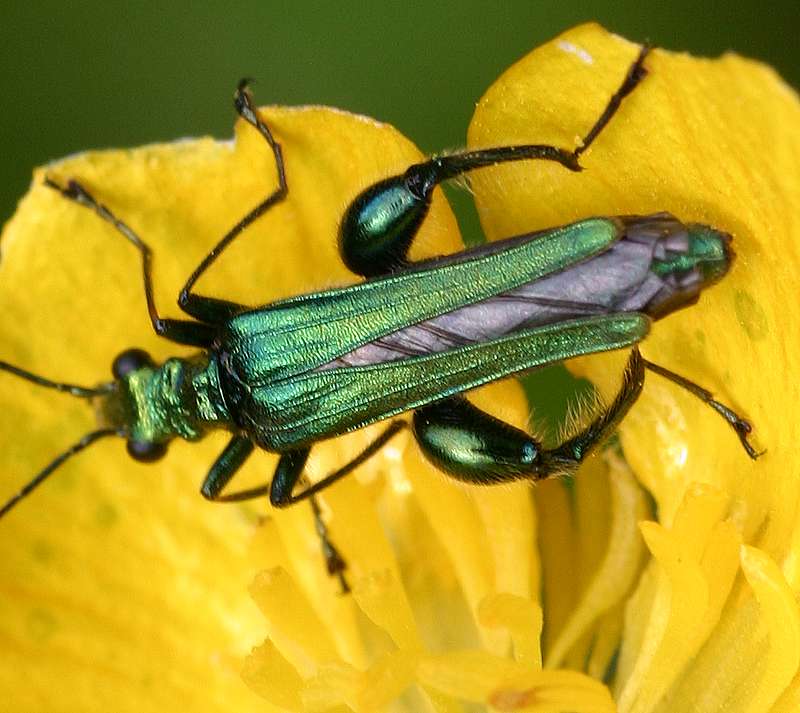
(379, 226)
(211, 309)
(290, 472)
(478, 448)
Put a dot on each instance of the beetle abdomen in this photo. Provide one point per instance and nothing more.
(658, 265)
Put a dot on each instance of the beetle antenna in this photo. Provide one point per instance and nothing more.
(80, 391)
(40, 477)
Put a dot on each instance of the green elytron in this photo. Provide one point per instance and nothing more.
(411, 337)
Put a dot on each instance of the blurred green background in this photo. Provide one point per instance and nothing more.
(84, 75)
(79, 75)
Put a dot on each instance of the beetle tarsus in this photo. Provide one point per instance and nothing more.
(741, 426)
(335, 564)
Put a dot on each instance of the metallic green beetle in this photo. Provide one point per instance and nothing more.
(412, 337)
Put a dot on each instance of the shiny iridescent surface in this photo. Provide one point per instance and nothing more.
(180, 398)
(655, 267)
(326, 363)
(413, 337)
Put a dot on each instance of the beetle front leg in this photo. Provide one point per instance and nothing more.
(195, 334)
(478, 448)
(287, 474)
(229, 461)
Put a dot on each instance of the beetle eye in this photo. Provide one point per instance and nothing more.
(130, 360)
(145, 451)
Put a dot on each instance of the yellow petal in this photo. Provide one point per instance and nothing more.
(697, 564)
(715, 141)
(272, 677)
(510, 686)
(486, 532)
(522, 618)
(614, 575)
(121, 588)
(782, 622)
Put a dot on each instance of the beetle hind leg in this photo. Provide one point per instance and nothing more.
(574, 450)
(741, 426)
(473, 446)
(381, 223)
(478, 448)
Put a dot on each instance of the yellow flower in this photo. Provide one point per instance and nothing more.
(713, 623)
(122, 590)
